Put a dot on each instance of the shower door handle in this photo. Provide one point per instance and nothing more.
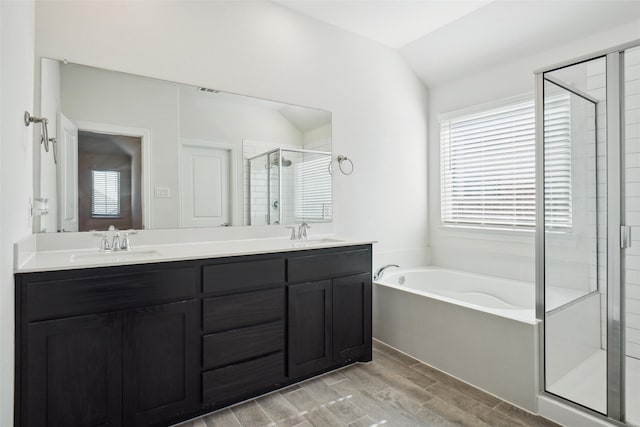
(625, 236)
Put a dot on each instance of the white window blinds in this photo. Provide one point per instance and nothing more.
(105, 200)
(313, 189)
(488, 167)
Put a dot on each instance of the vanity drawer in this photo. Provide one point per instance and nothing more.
(88, 292)
(241, 310)
(225, 348)
(242, 379)
(327, 265)
(242, 275)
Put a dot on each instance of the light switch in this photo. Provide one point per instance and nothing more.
(162, 192)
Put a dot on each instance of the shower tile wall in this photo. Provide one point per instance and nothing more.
(632, 199)
(596, 87)
(596, 82)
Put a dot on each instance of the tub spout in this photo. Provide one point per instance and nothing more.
(379, 272)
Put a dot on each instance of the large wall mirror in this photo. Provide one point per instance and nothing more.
(138, 152)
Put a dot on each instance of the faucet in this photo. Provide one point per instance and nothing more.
(301, 234)
(115, 240)
(302, 231)
(105, 246)
(125, 243)
(117, 243)
(379, 272)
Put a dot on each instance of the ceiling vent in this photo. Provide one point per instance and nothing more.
(206, 89)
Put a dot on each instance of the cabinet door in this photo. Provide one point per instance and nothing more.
(160, 362)
(74, 370)
(352, 318)
(309, 341)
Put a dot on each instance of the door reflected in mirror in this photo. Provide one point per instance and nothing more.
(138, 152)
(109, 173)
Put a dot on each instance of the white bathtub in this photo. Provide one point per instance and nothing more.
(480, 329)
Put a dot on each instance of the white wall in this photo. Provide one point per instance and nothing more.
(318, 139)
(264, 50)
(508, 254)
(16, 170)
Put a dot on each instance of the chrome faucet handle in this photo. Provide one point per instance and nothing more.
(104, 243)
(294, 235)
(125, 243)
(302, 231)
(115, 243)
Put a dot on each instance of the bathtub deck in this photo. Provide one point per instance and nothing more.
(393, 390)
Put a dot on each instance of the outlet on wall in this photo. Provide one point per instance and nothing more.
(162, 192)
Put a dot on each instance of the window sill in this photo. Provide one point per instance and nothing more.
(567, 239)
(488, 233)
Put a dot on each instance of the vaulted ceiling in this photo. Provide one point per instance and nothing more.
(443, 39)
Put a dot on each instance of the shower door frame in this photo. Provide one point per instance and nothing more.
(615, 405)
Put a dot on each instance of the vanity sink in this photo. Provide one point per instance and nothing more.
(313, 242)
(158, 251)
(115, 256)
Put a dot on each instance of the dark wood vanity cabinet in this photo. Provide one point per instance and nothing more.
(159, 343)
(329, 323)
(73, 372)
(352, 318)
(137, 367)
(310, 337)
(160, 362)
(330, 319)
(243, 345)
(134, 362)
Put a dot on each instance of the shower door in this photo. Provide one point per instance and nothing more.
(588, 267)
(264, 192)
(575, 198)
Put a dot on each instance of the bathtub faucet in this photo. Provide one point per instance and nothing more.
(379, 272)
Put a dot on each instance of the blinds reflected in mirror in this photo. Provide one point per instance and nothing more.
(105, 198)
(313, 188)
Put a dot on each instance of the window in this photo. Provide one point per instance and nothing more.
(488, 167)
(105, 198)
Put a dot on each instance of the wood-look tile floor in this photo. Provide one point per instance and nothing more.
(393, 390)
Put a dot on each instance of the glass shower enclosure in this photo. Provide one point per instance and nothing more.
(588, 235)
(289, 186)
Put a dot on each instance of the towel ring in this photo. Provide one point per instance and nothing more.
(342, 159)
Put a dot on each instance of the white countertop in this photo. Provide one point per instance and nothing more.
(51, 260)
